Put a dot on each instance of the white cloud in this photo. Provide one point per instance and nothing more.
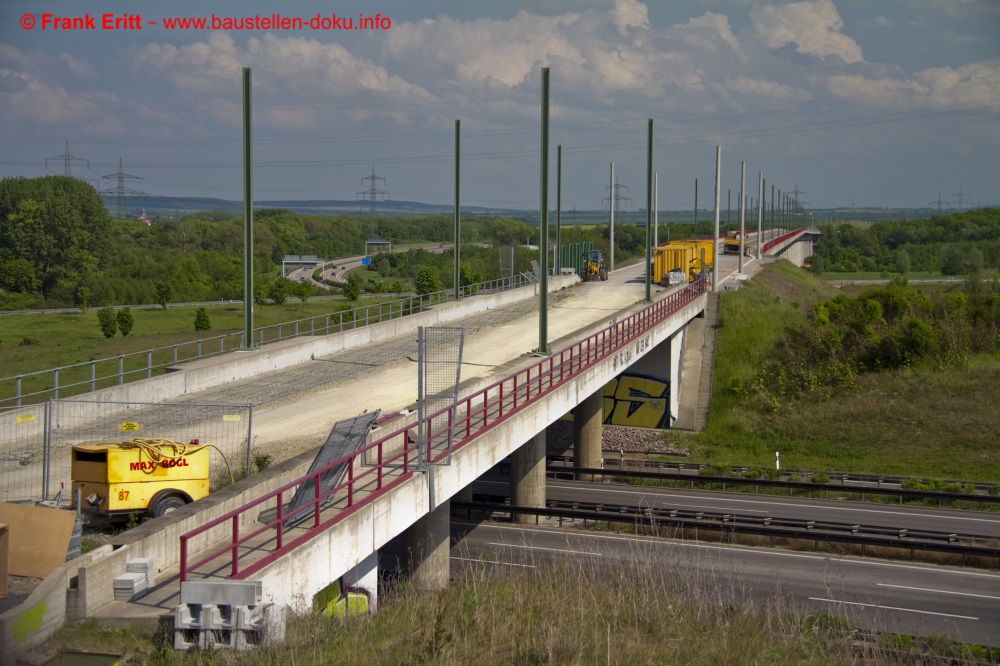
(813, 27)
(705, 31)
(630, 14)
(879, 22)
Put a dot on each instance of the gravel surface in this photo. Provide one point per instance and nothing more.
(559, 439)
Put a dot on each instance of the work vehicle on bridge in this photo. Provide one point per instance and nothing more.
(678, 262)
(593, 266)
(731, 243)
(151, 476)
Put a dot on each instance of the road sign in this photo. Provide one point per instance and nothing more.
(366, 261)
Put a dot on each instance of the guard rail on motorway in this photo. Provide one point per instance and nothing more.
(693, 520)
(115, 370)
(395, 457)
(775, 483)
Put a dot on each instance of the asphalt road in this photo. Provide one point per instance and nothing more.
(961, 603)
(741, 504)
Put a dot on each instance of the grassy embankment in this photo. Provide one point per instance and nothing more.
(916, 422)
(64, 339)
(561, 615)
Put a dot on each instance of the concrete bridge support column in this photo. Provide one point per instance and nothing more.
(428, 544)
(527, 476)
(676, 342)
(587, 432)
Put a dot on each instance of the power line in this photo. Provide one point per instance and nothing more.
(119, 191)
(67, 161)
(373, 195)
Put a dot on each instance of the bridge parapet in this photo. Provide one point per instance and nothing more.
(245, 547)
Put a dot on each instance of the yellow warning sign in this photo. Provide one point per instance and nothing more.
(230, 417)
(26, 418)
(130, 426)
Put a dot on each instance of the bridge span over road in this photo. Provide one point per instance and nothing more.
(508, 397)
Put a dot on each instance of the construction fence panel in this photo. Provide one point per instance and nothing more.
(22, 452)
(227, 429)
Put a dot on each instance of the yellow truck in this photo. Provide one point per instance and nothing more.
(152, 476)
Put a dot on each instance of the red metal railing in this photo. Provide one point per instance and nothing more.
(396, 454)
(781, 239)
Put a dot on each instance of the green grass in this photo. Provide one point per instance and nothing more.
(913, 422)
(563, 616)
(65, 339)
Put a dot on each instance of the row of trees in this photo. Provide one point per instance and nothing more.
(59, 247)
(959, 244)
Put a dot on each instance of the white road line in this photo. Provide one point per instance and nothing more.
(506, 564)
(927, 589)
(748, 549)
(880, 607)
(779, 503)
(554, 550)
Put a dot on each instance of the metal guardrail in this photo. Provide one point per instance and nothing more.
(740, 524)
(902, 493)
(780, 239)
(395, 455)
(76, 378)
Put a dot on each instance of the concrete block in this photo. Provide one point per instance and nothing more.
(197, 616)
(222, 592)
(260, 626)
(129, 586)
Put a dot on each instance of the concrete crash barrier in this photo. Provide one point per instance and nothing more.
(224, 626)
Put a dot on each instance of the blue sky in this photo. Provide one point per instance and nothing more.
(865, 102)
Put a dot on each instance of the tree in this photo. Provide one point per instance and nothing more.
(106, 318)
(427, 281)
(201, 320)
(397, 287)
(58, 224)
(303, 291)
(383, 267)
(951, 260)
(163, 294)
(902, 261)
(277, 291)
(352, 289)
(125, 321)
(83, 298)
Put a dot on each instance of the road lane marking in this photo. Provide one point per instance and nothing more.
(554, 550)
(778, 502)
(895, 608)
(506, 564)
(744, 549)
(927, 589)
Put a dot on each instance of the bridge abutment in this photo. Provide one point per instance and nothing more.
(428, 544)
(587, 432)
(527, 476)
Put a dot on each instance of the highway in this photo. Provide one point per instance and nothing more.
(776, 506)
(876, 595)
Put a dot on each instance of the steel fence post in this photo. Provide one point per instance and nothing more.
(46, 442)
(121, 369)
(93, 384)
(199, 350)
(175, 355)
(17, 389)
(55, 383)
(149, 364)
(249, 436)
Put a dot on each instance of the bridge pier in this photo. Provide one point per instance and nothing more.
(428, 544)
(527, 476)
(587, 432)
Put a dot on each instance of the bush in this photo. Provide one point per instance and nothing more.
(28, 341)
(352, 289)
(427, 281)
(201, 320)
(83, 298)
(108, 322)
(397, 287)
(163, 294)
(125, 321)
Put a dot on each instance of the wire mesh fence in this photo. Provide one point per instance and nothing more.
(439, 360)
(22, 448)
(36, 441)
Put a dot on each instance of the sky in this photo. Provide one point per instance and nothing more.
(867, 103)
